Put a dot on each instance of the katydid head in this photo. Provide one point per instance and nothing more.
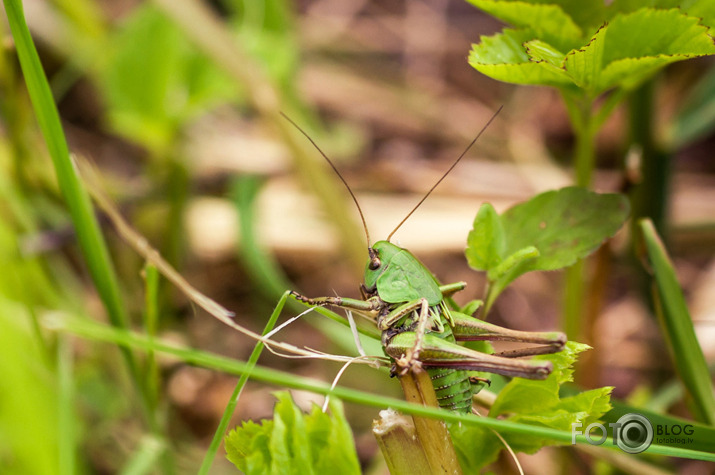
(381, 253)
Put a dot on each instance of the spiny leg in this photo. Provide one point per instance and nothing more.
(468, 328)
(438, 353)
(410, 359)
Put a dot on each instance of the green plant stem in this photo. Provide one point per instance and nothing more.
(99, 332)
(585, 127)
(231, 406)
(581, 116)
(650, 196)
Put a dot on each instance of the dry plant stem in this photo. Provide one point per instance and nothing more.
(395, 434)
(212, 36)
(433, 435)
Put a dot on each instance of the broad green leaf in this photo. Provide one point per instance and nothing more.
(30, 414)
(564, 226)
(294, 442)
(536, 403)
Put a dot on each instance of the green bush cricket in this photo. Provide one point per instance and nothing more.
(420, 329)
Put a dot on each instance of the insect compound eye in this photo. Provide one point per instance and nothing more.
(375, 263)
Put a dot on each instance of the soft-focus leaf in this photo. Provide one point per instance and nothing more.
(170, 80)
(696, 117)
(485, 242)
(564, 226)
(294, 442)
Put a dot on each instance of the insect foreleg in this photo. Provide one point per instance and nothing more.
(366, 306)
(411, 356)
(389, 320)
(468, 328)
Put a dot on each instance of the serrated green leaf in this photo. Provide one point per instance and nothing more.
(594, 403)
(503, 57)
(293, 442)
(542, 51)
(703, 9)
(547, 20)
(535, 403)
(525, 396)
(621, 54)
(633, 46)
(476, 447)
(289, 441)
(339, 437)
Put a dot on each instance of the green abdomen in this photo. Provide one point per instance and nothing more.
(452, 386)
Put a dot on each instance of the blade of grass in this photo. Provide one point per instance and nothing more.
(96, 331)
(231, 406)
(677, 327)
(90, 238)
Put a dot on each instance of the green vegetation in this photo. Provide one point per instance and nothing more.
(113, 363)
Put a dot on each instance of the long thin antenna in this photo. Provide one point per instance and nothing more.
(332, 165)
(446, 173)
